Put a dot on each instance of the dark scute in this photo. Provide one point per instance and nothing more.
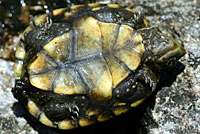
(151, 36)
(119, 16)
(19, 92)
(41, 35)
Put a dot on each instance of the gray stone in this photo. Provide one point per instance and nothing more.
(177, 107)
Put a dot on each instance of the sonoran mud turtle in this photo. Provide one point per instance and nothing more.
(86, 64)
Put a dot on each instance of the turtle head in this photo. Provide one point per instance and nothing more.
(161, 49)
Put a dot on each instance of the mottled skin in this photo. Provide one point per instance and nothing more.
(153, 51)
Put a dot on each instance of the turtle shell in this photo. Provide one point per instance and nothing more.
(82, 65)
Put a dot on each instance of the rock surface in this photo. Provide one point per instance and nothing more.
(175, 108)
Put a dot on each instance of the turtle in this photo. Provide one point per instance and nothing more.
(88, 63)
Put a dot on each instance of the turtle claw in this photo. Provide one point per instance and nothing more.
(150, 81)
(149, 77)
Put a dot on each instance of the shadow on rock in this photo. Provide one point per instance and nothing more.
(169, 76)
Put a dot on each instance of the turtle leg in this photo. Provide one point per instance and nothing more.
(149, 77)
(138, 85)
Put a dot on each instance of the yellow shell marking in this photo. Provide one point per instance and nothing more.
(85, 122)
(119, 104)
(58, 47)
(103, 117)
(100, 80)
(42, 81)
(136, 103)
(58, 11)
(39, 63)
(43, 119)
(94, 4)
(18, 69)
(89, 37)
(104, 85)
(108, 31)
(137, 39)
(124, 35)
(65, 125)
(130, 57)
(40, 19)
(20, 52)
(70, 14)
(29, 28)
(140, 48)
(77, 6)
(33, 109)
(113, 5)
(96, 9)
(92, 111)
(89, 42)
(67, 83)
(129, 47)
(146, 23)
(119, 111)
(117, 70)
(130, 10)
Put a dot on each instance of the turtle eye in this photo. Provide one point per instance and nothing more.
(171, 51)
(162, 46)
